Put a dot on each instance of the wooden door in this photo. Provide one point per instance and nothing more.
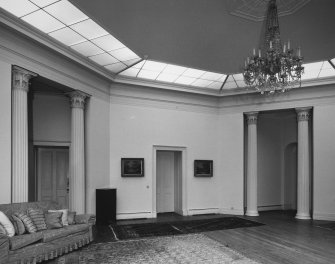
(52, 175)
(165, 181)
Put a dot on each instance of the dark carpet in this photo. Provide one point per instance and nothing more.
(132, 231)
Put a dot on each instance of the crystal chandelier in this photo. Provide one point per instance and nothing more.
(279, 68)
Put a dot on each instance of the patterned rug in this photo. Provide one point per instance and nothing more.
(183, 249)
(132, 231)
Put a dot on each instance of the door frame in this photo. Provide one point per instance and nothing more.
(184, 210)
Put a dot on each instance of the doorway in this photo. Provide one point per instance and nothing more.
(168, 183)
(52, 175)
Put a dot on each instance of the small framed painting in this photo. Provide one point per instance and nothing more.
(132, 167)
(203, 168)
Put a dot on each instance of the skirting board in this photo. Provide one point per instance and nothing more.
(324, 216)
(234, 211)
(123, 216)
(203, 211)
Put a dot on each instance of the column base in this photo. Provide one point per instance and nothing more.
(303, 216)
(252, 213)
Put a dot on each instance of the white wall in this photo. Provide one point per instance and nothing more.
(5, 131)
(51, 119)
(134, 130)
(324, 165)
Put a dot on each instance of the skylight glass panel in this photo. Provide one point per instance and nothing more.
(116, 67)
(104, 59)
(215, 85)
(108, 43)
(130, 62)
(87, 48)
(333, 61)
(238, 77)
(174, 69)
(42, 3)
(152, 75)
(67, 36)
(89, 29)
(223, 78)
(154, 66)
(43, 21)
(131, 72)
(139, 65)
(167, 77)
(123, 54)
(193, 73)
(201, 83)
(212, 76)
(66, 12)
(230, 85)
(18, 7)
(327, 70)
(311, 70)
(185, 80)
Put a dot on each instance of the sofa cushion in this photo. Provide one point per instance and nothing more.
(37, 216)
(54, 220)
(71, 218)
(2, 230)
(21, 241)
(64, 215)
(28, 223)
(18, 225)
(49, 235)
(7, 224)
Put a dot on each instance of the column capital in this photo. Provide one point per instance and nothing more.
(252, 117)
(303, 113)
(77, 99)
(21, 77)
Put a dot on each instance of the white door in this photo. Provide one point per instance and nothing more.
(165, 176)
(52, 175)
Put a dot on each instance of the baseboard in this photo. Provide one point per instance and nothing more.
(232, 211)
(137, 215)
(270, 207)
(324, 216)
(203, 211)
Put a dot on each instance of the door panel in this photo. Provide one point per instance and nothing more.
(52, 175)
(165, 181)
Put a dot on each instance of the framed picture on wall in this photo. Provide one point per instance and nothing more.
(203, 168)
(132, 167)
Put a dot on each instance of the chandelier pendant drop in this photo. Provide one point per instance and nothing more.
(279, 68)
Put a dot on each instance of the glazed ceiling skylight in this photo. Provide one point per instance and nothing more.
(163, 72)
(67, 24)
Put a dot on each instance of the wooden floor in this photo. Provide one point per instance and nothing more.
(282, 239)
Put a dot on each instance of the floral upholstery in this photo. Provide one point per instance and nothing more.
(24, 249)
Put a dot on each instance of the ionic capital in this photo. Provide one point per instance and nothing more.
(303, 113)
(21, 77)
(77, 99)
(252, 118)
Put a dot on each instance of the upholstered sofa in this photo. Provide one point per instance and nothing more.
(46, 244)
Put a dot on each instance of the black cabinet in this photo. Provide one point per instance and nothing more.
(105, 206)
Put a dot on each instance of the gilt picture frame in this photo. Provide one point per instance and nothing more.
(132, 167)
(203, 168)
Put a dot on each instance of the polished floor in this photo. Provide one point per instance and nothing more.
(282, 240)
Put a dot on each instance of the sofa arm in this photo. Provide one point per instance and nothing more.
(85, 219)
(4, 247)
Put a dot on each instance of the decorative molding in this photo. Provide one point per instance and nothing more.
(203, 211)
(230, 211)
(135, 215)
(77, 99)
(303, 114)
(52, 143)
(324, 216)
(21, 77)
(252, 118)
(255, 10)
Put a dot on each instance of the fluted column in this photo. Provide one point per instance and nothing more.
(20, 87)
(77, 152)
(252, 209)
(303, 191)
